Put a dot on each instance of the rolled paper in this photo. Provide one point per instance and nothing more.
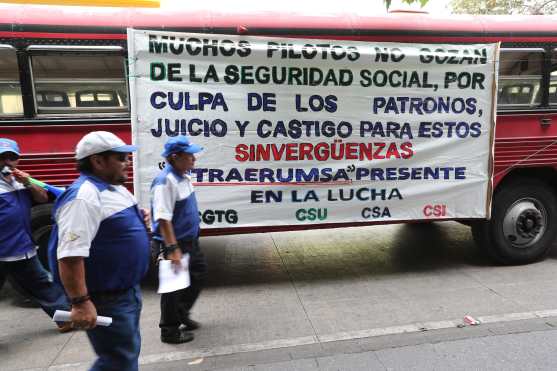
(64, 316)
(56, 191)
(37, 182)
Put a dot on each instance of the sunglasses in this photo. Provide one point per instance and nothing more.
(121, 156)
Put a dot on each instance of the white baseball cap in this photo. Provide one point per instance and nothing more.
(100, 141)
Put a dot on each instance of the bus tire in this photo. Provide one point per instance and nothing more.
(523, 226)
(41, 226)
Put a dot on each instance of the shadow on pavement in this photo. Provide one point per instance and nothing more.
(431, 246)
(335, 255)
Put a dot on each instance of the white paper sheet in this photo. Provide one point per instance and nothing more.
(171, 280)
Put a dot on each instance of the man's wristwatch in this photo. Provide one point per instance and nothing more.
(80, 299)
(168, 249)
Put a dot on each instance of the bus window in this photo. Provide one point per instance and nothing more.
(11, 103)
(520, 76)
(66, 82)
(553, 81)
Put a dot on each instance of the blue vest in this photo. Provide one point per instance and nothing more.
(15, 220)
(119, 253)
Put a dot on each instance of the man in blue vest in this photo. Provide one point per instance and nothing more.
(101, 245)
(18, 252)
(176, 232)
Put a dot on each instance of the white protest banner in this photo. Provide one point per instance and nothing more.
(304, 131)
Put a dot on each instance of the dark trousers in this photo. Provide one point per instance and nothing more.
(176, 306)
(117, 345)
(35, 282)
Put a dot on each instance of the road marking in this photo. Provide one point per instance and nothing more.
(308, 340)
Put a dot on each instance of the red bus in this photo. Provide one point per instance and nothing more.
(63, 74)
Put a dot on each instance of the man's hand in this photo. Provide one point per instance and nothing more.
(39, 194)
(21, 176)
(84, 315)
(176, 259)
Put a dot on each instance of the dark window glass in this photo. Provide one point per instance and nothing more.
(553, 81)
(79, 83)
(11, 103)
(520, 76)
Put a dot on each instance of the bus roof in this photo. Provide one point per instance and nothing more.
(47, 18)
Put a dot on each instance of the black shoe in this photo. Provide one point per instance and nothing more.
(176, 336)
(190, 325)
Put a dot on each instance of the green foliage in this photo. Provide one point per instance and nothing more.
(543, 7)
(421, 2)
(504, 6)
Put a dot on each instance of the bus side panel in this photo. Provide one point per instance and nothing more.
(48, 150)
(525, 141)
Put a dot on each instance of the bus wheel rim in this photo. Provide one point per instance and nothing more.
(525, 223)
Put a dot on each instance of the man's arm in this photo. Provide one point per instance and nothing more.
(38, 194)
(78, 223)
(72, 275)
(167, 232)
(169, 238)
(164, 197)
